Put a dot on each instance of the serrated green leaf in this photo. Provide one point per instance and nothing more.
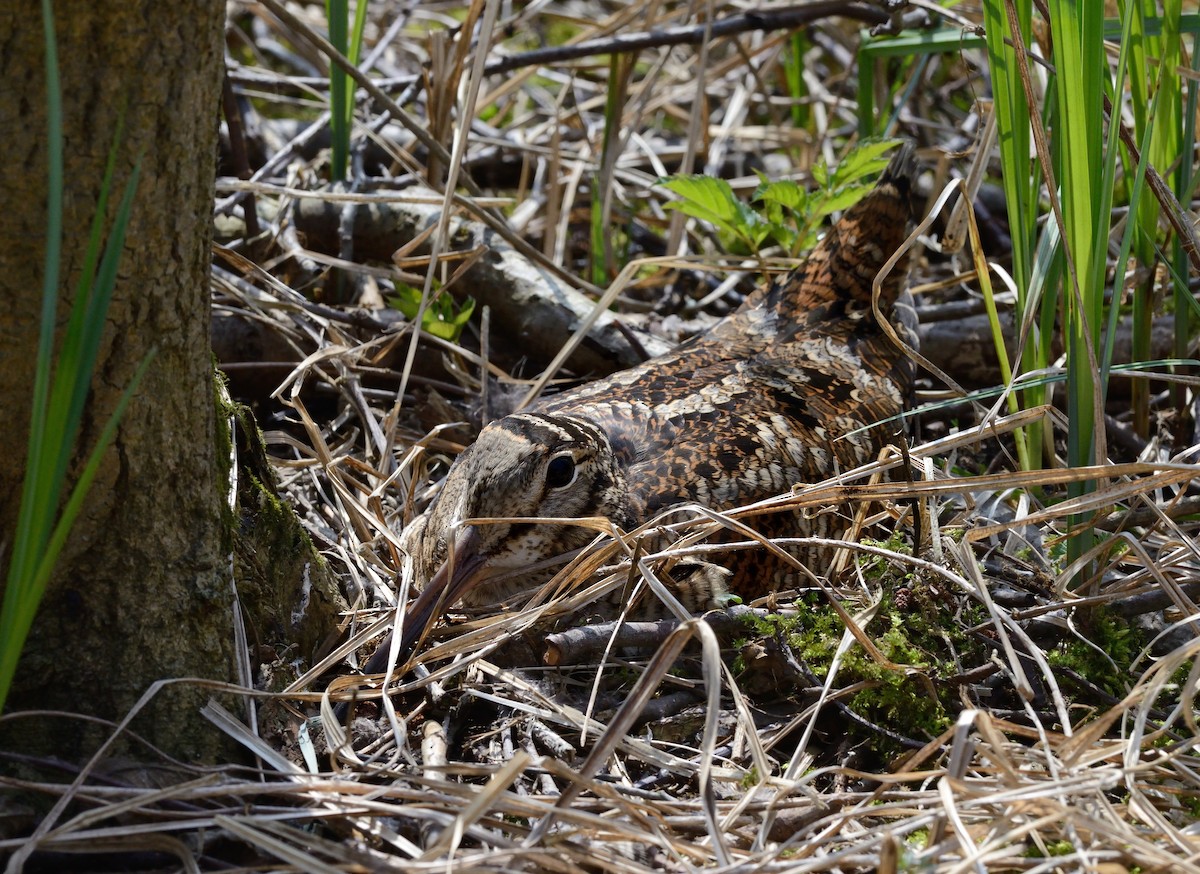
(749, 219)
(713, 201)
(866, 159)
(690, 208)
(772, 211)
(785, 192)
(784, 236)
(844, 198)
(704, 198)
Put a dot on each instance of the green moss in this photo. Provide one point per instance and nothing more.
(772, 624)
(898, 542)
(1054, 848)
(750, 779)
(1104, 659)
(897, 699)
(1190, 803)
(289, 596)
(226, 410)
(918, 839)
(911, 628)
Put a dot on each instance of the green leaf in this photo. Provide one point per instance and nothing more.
(789, 215)
(440, 319)
(844, 197)
(448, 324)
(784, 236)
(336, 13)
(820, 173)
(785, 192)
(866, 159)
(404, 301)
(713, 201)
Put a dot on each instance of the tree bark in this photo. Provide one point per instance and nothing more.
(142, 591)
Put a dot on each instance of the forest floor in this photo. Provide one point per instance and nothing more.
(951, 694)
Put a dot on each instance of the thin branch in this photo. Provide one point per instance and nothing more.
(767, 19)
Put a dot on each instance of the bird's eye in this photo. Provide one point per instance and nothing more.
(560, 472)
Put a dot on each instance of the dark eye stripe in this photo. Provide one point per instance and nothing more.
(571, 427)
(548, 430)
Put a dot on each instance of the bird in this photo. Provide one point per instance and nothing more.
(790, 388)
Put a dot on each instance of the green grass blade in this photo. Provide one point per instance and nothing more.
(1134, 231)
(19, 620)
(75, 502)
(1157, 112)
(989, 299)
(794, 70)
(41, 506)
(1077, 31)
(356, 39)
(35, 554)
(909, 44)
(1188, 303)
(1129, 49)
(602, 249)
(353, 53)
(58, 397)
(85, 327)
(1172, 137)
(336, 12)
(1023, 383)
(1182, 295)
(1166, 141)
(1134, 48)
(1011, 108)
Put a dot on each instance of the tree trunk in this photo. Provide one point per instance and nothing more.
(142, 591)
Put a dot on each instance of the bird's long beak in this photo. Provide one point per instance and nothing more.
(465, 567)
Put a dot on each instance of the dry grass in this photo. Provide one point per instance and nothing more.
(668, 757)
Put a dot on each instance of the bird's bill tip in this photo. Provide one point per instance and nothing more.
(457, 576)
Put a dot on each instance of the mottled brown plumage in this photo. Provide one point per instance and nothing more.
(768, 398)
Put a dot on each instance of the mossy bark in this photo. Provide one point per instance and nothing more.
(290, 598)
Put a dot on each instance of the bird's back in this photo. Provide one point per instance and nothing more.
(769, 397)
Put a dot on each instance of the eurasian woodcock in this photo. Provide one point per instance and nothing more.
(790, 388)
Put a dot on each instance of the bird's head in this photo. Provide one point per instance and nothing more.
(523, 467)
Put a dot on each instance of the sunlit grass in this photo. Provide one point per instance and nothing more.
(341, 86)
(1066, 256)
